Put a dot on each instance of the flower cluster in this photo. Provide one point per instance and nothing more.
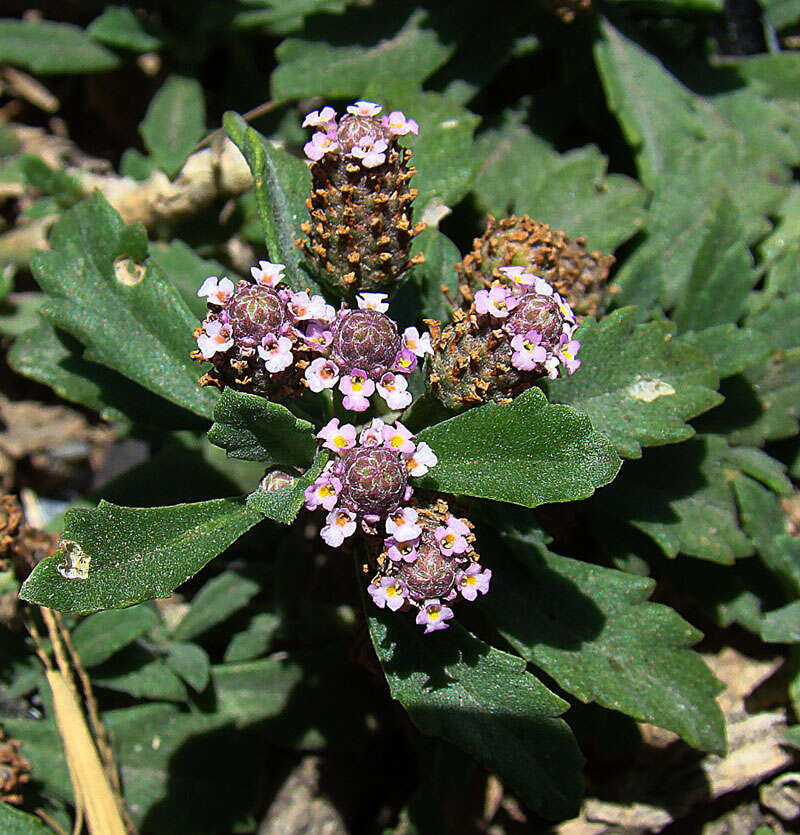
(260, 335)
(364, 353)
(430, 567)
(367, 481)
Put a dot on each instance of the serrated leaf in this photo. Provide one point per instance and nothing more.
(48, 48)
(527, 452)
(680, 497)
(118, 26)
(314, 68)
(103, 634)
(730, 347)
(216, 601)
(594, 632)
(103, 291)
(637, 384)
(136, 672)
(253, 641)
(481, 699)
(252, 428)
(284, 504)
(521, 174)
(135, 553)
(174, 123)
(281, 183)
(191, 663)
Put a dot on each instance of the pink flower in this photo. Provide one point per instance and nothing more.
(472, 581)
(402, 524)
(370, 151)
(421, 460)
(323, 492)
(276, 353)
(497, 302)
(320, 145)
(341, 523)
(393, 389)
(303, 307)
(372, 435)
(542, 287)
(317, 336)
(324, 118)
(528, 352)
(322, 374)
(418, 345)
(373, 301)
(401, 551)
(364, 108)
(566, 310)
(216, 338)
(452, 536)
(267, 274)
(217, 292)
(398, 438)
(398, 124)
(433, 616)
(390, 592)
(357, 388)
(518, 276)
(405, 361)
(566, 351)
(338, 438)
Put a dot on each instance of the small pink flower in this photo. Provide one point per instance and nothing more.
(452, 536)
(373, 301)
(398, 438)
(565, 309)
(518, 276)
(364, 108)
(421, 460)
(323, 492)
(341, 523)
(217, 338)
(497, 302)
(322, 374)
(276, 353)
(551, 367)
(433, 616)
(390, 592)
(372, 435)
(393, 389)
(542, 287)
(566, 351)
(370, 151)
(324, 118)
(473, 580)
(357, 388)
(405, 361)
(217, 292)
(418, 345)
(528, 352)
(402, 524)
(317, 336)
(397, 123)
(320, 145)
(267, 274)
(303, 307)
(401, 551)
(338, 438)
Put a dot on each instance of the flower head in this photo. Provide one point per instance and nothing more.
(321, 374)
(528, 351)
(215, 338)
(405, 361)
(370, 151)
(340, 524)
(373, 301)
(364, 108)
(325, 118)
(418, 345)
(323, 492)
(394, 390)
(267, 274)
(402, 524)
(433, 616)
(216, 291)
(357, 389)
(518, 276)
(473, 580)
(566, 352)
(336, 438)
(320, 145)
(372, 435)
(452, 536)
(497, 302)
(314, 307)
(276, 353)
(318, 336)
(401, 551)
(422, 459)
(397, 124)
(388, 592)
(398, 438)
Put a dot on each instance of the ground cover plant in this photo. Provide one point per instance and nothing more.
(399, 417)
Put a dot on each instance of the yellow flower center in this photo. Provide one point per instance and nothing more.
(340, 441)
(397, 441)
(433, 613)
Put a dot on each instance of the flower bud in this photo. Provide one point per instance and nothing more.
(360, 227)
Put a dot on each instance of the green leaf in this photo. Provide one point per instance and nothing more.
(101, 635)
(729, 347)
(191, 663)
(47, 48)
(637, 383)
(315, 68)
(756, 463)
(284, 504)
(527, 452)
(521, 174)
(681, 498)
(174, 123)
(782, 626)
(118, 26)
(15, 822)
(219, 598)
(135, 553)
(53, 181)
(252, 428)
(481, 699)
(280, 17)
(281, 183)
(438, 271)
(104, 292)
(255, 640)
(136, 672)
(594, 632)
